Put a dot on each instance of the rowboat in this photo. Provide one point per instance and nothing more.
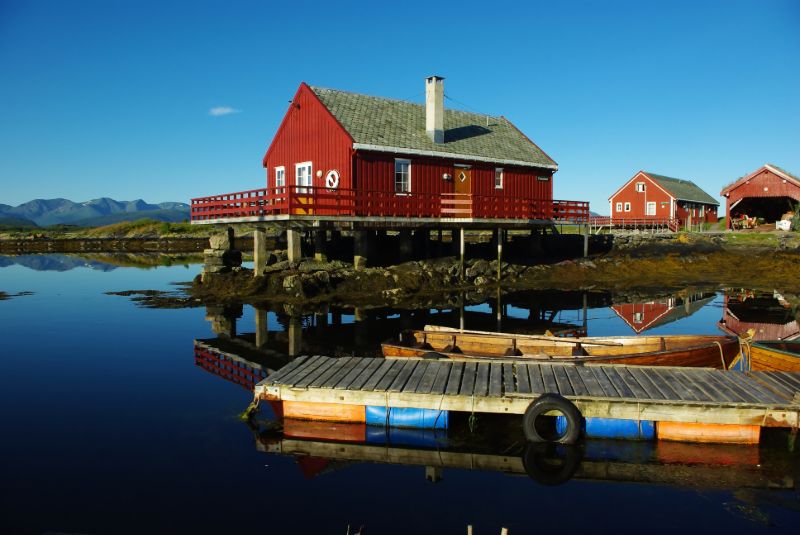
(435, 342)
(775, 355)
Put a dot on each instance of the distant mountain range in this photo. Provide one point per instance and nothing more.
(97, 212)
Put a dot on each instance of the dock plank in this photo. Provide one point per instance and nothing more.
(284, 371)
(496, 379)
(355, 371)
(442, 376)
(575, 380)
(682, 392)
(757, 392)
(649, 386)
(303, 370)
(481, 387)
(549, 378)
(359, 380)
(426, 383)
(564, 385)
(661, 384)
(343, 368)
(792, 377)
(535, 378)
(703, 380)
(786, 385)
(630, 381)
(599, 373)
(588, 378)
(623, 389)
(327, 364)
(768, 380)
(454, 379)
(468, 379)
(379, 374)
(403, 375)
(509, 384)
(523, 379)
(419, 372)
(716, 377)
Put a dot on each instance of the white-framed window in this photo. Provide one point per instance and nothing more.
(640, 187)
(542, 178)
(302, 176)
(498, 178)
(619, 207)
(280, 179)
(638, 317)
(650, 209)
(402, 176)
(627, 207)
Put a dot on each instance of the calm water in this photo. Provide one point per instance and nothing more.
(110, 425)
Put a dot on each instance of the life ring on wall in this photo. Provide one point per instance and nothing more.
(332, 179)
(541, 428)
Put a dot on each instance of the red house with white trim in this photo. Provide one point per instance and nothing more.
(341, 156)
(649, 196)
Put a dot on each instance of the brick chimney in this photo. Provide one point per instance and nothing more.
(434, 108)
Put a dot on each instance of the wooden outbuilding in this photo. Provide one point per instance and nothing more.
(648, 197)
(767, 193)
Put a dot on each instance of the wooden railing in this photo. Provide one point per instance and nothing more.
(671, 224)
(293, 200)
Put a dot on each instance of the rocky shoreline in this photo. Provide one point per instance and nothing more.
(636, 263)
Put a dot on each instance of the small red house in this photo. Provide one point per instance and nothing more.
(768, 193)
(352, 156)
(648, 196)
(644, 316)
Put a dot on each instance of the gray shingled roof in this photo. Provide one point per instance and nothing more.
(684, 190)
(387, 123)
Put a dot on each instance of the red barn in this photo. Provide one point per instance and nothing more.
(767, 193)
(352, 156)
(644, 316)
(648, 196)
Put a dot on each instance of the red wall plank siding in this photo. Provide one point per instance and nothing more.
(310, 133)
(375, 172)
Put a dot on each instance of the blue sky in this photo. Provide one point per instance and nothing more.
(113, 98)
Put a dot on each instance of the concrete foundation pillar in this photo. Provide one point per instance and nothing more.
(499, 239)
(360, 248)
(320, 239)
(293, 248)
(259, 251)
(262, 327)
(585, 240)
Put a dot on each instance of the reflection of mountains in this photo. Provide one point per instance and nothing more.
(769, 315)
(54, 262)
(319, 447)
(97, 262)
(647, 315)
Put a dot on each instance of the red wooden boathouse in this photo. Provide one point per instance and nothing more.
(767, 192)
(344, 157)
(649, 197)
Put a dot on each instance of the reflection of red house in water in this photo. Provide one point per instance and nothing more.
(769, 315)
(643, 316)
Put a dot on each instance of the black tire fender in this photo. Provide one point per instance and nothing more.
(531, 423)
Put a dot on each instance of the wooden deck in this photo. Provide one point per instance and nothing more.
(701, 395)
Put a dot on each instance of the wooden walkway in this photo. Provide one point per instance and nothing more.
(768, 399)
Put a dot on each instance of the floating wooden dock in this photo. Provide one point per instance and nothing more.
(688, 395)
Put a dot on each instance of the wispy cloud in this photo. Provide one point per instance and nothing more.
(219, 111)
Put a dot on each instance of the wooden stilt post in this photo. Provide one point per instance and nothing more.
(500, 239)
(295, 332)
(320, 239)
(585, 240)
(259, 251)
(462, 252)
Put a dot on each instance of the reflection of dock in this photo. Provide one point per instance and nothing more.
(712, 467)
(769, 315)
(660, 394)
(648, 315)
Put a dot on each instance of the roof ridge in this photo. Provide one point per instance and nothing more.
(403, 101)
